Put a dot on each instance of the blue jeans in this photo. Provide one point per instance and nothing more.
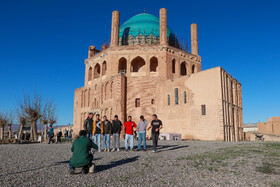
(142, 137)
(89, 135)
(97, 137)
(130, 138)
(69, 138)
(106, 141)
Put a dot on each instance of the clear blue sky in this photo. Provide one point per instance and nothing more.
(43, 45)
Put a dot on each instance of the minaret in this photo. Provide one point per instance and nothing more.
(115, 28)
(194, 42)
(163, 26)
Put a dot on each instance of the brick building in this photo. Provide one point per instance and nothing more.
(147, 70)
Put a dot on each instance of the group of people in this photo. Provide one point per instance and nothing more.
(96, 128)
(81, 147)
(67, 134)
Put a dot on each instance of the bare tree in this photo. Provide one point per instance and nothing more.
(3, 122)
(30, 108)
(51, 113)
(44, 119)
(10, 120)
(22, 124)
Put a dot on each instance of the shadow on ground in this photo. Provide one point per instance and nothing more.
(100, 168)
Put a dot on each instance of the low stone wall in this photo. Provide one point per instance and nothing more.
(250, 136)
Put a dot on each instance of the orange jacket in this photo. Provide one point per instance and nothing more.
(94, 127)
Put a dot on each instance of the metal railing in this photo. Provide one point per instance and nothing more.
(147, 37)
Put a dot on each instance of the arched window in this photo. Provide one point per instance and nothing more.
(88, 97)
(90, 74)
(82, 99)
(107, 90)
(95, 104)
(104, 68)
(97, 71)
(193, 68)
(122, 65)
(106, 112)
(183, 68)
(173, 65)
(137, 64)
(101, 94)
(153, 64)
(111, 90)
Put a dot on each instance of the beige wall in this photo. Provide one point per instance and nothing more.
(187, 119)
(272, 126)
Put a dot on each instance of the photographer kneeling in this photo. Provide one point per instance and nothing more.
(81, 153)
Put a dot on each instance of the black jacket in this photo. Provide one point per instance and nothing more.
(116, 126)
(88, 125)
(107, 127)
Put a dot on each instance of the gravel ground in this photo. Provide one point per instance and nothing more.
(178, 163)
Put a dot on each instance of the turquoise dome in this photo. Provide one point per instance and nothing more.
(144, 24)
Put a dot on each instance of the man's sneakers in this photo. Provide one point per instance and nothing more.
(113, 150)
(92, 168)
(72, 171)
(99, 150)
(118, 149)
(155, 151)
(85, 170)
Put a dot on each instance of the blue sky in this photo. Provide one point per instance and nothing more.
(43, 45)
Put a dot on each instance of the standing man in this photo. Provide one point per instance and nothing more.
(59, 134)
(107, 126)
(88, 125)
(69, 137)
(116, 129)
(65, 133)
(51, 134)
(128, 129)
(156, 125)
(142, 125)
(97, 131)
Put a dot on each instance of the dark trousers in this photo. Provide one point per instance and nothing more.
(84, 167)
(50, 139)
(58, 139)
(155, 140)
